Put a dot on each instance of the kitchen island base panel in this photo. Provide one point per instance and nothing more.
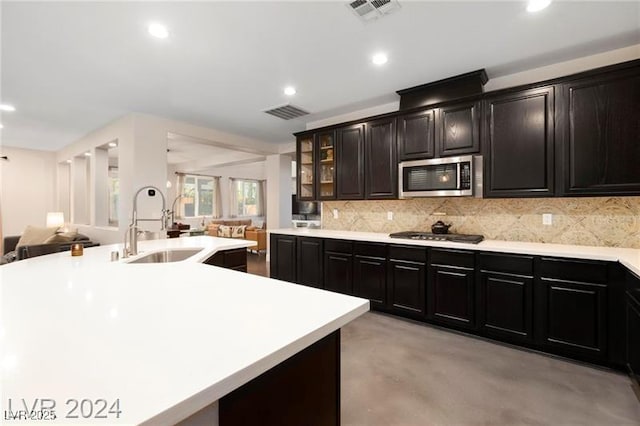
(302, 390)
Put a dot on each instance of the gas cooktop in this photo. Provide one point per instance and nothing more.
(427, 236)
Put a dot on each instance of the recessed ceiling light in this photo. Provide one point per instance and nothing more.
(290, 91)
(7, 107)
(1, 126)
(379, 59)
(87, 154)
(158, 30)
(113, 144)
(537, 5)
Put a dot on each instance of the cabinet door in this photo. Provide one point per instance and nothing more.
(283, 257)
(406, 287)
(370, 279)
(381, 162)
(310, 261)
(633, 338)
(326, 165)
(572, 317)
(601, 134)
(506, 308)
(459, 129)
(417, 135)
(306, 165)
(338, 272)
(451, 295)
(350, 162)
(519, 144)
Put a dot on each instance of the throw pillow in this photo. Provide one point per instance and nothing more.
(61, 237)
(238, 231)
(212, 229)
(33, 235)
(224, 231)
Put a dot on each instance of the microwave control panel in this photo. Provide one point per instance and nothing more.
(465, 175)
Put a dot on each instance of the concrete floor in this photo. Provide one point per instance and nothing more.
(397, 372)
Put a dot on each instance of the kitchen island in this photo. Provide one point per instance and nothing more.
(104, 342)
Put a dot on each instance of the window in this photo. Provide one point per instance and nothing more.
(247, 197)
(198, 195)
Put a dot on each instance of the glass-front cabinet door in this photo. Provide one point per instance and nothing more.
(327, 163)
(306, 168)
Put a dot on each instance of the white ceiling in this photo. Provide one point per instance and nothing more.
(72, 67)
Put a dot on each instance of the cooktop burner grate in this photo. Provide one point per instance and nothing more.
(427, 236)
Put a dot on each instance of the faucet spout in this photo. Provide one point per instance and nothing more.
(133, 228)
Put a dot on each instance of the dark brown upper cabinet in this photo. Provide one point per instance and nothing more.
(350, 162)
(316, 174)
(306, 159)
(518, 142)
(458, 129)
(381, 164)
(417, 135)
(326, 170)
(600, 134)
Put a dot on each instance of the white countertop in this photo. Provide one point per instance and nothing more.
(628, 257)
(166, 339)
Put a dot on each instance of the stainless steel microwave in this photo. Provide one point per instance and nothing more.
(441, 177)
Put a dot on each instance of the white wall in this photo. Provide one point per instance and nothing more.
(27, 188)
(278, 191)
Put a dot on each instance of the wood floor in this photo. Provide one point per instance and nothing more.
(400, 372)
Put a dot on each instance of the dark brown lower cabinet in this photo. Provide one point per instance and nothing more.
(338, 272)
(633, 327)
(505, 299)
(309, 261)
(570, 307)
(508, 303)
(235, 259)
(370, 273)
(451, 287)
(572, 317)
(406, 280)
(282, 254)
(571, 301)
(302, 390)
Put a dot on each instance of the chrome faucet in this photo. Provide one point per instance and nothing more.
(172, 212)
(133, 228)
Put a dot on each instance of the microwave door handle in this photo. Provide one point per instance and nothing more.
(458, 182)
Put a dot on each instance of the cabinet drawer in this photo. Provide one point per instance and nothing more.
(460, 258)
(520, 265)
(338, 246)
(370, 249)
(573, 270)
(412, 254)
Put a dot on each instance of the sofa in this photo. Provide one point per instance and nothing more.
(240, 228)
(11, 252)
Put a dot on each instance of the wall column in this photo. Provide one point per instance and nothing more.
(278, 168)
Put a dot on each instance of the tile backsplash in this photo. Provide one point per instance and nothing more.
(593, 221)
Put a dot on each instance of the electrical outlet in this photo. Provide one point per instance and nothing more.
(335, 213)
(547, 219)
(389, 215)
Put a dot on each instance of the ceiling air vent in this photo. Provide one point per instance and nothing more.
(287, 112)
(368, 10)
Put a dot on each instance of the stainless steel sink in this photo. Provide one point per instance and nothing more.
(165, 256)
